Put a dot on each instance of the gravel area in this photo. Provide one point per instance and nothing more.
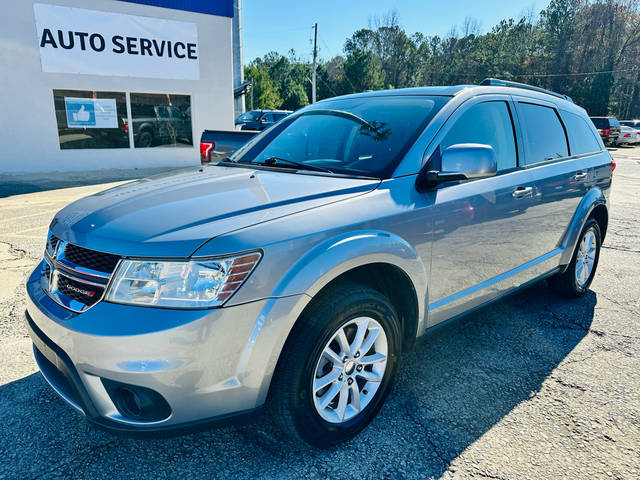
(534, 386)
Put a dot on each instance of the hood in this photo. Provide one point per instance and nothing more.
(171, 215)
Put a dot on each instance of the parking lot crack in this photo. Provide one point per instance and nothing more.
(85, 453)
(489, 475)
(620, 249)
(568, 385)
(425, 431)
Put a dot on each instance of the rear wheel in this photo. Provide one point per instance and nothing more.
(145, 139)
(337, 366)
(575, 280)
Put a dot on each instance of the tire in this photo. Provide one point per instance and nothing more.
(574, 281)
(295, 404)
(145, 139)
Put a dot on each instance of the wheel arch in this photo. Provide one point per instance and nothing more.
(593, 205)
(375, 258)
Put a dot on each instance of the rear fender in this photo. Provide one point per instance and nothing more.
(590, 201)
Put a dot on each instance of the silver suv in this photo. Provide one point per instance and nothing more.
(294, 273)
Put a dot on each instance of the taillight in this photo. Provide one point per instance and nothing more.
(613, 164)
(125, 126)
(607, 132)
(627, 134)
(205, 150)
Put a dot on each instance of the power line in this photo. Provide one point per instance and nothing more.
(575, 74)
(346, 76)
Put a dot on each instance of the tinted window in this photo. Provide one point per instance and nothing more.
(487, 123)
(581, 136)
(161, 120)
(545, 137)
(361, 135)
(600, 122)
(88, 119)
(267, 117)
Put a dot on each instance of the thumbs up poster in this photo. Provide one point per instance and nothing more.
(91, 112)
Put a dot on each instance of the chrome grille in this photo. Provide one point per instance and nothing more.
(76, 277)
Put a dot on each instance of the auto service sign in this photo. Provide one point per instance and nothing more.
(75, 40)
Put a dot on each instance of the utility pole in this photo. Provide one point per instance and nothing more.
(315, 58)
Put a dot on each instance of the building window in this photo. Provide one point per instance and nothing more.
(88, 119)
(161, 120)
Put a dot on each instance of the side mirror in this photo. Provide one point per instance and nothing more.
(462, 161)
(264, 120)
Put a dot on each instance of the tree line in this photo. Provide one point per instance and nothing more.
(587, 49)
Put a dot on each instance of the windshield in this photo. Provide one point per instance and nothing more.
(248, 116)
(361, 136)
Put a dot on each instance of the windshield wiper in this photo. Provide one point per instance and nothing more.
(302, 166)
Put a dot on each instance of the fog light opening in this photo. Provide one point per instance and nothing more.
(131, 402)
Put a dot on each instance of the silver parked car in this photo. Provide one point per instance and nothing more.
(296, 272)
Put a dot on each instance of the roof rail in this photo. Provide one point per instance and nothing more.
(496, 82)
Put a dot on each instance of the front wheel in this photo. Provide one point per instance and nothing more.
(337, 366)
(575, 280)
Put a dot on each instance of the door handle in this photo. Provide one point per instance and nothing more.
(522, 192)
(580, 176)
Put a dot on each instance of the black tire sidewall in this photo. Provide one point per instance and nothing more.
(307, 421)
(146, 139)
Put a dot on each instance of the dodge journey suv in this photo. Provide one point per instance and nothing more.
(294, 273)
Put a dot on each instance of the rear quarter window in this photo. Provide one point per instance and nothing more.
(544, 134)
(582, 139)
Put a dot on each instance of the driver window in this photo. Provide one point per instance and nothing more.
(488, 123)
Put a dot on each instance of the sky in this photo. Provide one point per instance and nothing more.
(279, 25)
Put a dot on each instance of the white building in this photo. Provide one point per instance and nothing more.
(112, 83)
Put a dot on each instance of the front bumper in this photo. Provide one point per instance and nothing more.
(211, 366)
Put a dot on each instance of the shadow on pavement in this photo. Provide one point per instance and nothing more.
(18, 184)
(451, 389)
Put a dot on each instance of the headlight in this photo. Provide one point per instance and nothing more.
(182, 284)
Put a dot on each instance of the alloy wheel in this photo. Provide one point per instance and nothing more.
(586, 258)
(350, 370)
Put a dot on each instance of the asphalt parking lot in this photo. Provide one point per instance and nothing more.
(534, 386)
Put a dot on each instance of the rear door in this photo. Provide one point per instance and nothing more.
(556, 162)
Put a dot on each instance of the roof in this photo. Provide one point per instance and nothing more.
(509, 88)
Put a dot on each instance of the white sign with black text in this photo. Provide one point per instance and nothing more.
(74, 40)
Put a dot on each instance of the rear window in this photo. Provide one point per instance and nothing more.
(581, 136)
(600, 122)
(250, 116)
(544, 133)
(614, 122)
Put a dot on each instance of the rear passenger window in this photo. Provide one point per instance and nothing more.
(544, 134)
(488, 123)
(581, 136)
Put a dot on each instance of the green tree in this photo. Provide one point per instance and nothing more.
(264, 94)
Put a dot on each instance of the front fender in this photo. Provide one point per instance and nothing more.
(339, 254)
(589, 202)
